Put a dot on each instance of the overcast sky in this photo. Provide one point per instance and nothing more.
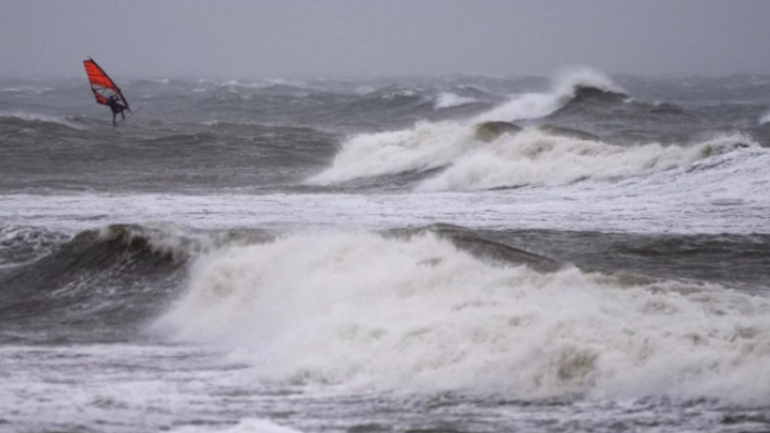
(327, 38)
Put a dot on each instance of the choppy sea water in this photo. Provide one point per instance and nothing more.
(371, 256)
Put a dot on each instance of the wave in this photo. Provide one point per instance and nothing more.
(245, 425)
(428, 146)
(100, 281)
(31, 119)
(545, 156)
(424, 147)
(183, 138)
(568, 85)
(262, 84)
(449, 100)
(394, 99)
(27, 89)
(402, 93)
(534, 158)
(369, 311)
(765, 119)
(24, 244)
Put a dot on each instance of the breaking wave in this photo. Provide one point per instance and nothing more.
(425, 146)
(529, 157)
(449, 100)
(23, 244)
(367, 311)
(534, 158)
(564, 88)
(100, 281)
(27, 89)
(428, 145)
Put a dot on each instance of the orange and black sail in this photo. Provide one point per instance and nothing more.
(101, 84)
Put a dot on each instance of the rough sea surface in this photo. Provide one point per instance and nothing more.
(361, 256)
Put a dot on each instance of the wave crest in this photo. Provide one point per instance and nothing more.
(532, 157)
(366, 311)
(565, 87)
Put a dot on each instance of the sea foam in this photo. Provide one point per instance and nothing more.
(363, 311)
(534, 105)
(432, 145)
(535, 158)
(449, 100)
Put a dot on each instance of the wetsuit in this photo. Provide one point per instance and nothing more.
(116, 108)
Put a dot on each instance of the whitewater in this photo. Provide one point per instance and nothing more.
(569, 253)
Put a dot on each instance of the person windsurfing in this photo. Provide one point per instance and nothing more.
(116, 107)
(105, 90)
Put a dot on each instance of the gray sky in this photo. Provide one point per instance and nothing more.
(326, 38)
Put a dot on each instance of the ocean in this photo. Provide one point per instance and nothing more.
(576, 253)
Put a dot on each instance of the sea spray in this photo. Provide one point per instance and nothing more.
(449, 100)
(425, 146)
(534, 105)
(363, 311)
(536, 158)
(431, 145)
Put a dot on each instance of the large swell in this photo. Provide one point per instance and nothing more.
(330, 252)
(418, 133)
(363, 310)
(96, 285)
(585, 128)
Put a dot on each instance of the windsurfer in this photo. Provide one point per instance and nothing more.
(116, 107)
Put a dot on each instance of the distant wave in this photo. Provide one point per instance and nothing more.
(448, 155)
(27, 89)
(395, 94)
(367, 311)
(261, 84)
(765, 119)
(42, 118)
(449, 100)
(533, 158)
(254, 425)
(426, 146)
(564, 88)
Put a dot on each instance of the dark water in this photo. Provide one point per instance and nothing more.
(369, 256)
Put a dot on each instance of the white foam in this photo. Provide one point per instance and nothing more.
(533, 157)
(765, 119)
(285, 82)
(431, 145)
(723, 193)
(27, 89)
(254, 425)
(246, 425)
(166, 239)
(405, 93)
(232, 84)
(366, 312)
(365, 90)
(37, 243)
(449, 100)
(536, 105)
(425, 146)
